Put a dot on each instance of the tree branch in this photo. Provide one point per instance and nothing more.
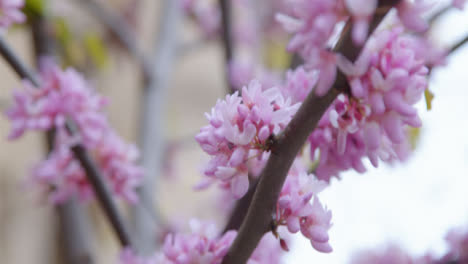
(154, 98)
(226, 23)
(283, 153)
(92, 171)
(122, 30)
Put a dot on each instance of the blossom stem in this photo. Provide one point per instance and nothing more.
(92, 171)
(226, 23)
(285, 148)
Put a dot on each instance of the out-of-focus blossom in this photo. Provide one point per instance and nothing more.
(391, 254)
(202, 245)
(10, 13)
(62, 96)
(239, 130)
(460, 4)
(205, 13)
(411, 14)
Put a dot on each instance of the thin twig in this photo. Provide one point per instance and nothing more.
(458, 45)
(122, 30)
(92, 171)
(439, 14)
(284, 150)
(226, 22)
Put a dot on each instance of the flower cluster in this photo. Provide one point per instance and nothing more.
(313, 24)
(63, 96)
(385, 83)
(10, 13)
(239, 130)
(295, 210)
(204, 245)
(201, 246)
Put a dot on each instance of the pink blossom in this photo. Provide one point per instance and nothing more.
(127, 256)
(296, 212)
(460, 4)
(391, 254)
(62, 95)
(65, 95)
(410, 13)
(268, 251)
(385, 83)
(238, 132)
(202, 245)
(205, 13)
(313, 24)
(10, 13)
(361, 12)
(298, 84)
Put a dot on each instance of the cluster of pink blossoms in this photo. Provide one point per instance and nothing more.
(313, 25)
(385, 83)
(62, 96)
(295, 210)
(204, 245)
(239, 130)
(10, 13)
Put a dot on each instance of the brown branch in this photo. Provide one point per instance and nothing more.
(240, 209)
(226, 23)
(283, 153)
(92, 171)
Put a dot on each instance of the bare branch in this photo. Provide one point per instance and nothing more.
(283, 153)
(226, 20)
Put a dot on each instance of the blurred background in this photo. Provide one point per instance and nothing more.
(412, 204)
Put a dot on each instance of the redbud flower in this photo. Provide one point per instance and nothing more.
(10, 13)
(296, 212)
(238, 132)
(65, 95)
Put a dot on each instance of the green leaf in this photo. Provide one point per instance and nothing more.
(34, 7)
(429, 96)
(96, 49)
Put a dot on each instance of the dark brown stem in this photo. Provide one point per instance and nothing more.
(226, 24)
(284, 150)
(103, 194)
(92, 171)
(458, 45)
(240, 210)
